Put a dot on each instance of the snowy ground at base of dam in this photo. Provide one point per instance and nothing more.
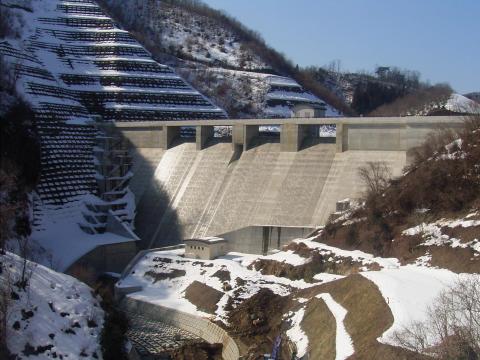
(408, 290)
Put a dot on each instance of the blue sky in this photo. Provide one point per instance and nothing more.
(439, 38)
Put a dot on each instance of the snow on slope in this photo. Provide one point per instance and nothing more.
(55, 317)
(58, 239)
(296, 334)
(356, 255)
(343, 341)
(461, 104)
(409, 291)
(433, 235)
(73, 64)
(454, 102)
(216, 59)
(171, 292)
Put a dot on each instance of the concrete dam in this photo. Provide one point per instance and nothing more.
(210, 187)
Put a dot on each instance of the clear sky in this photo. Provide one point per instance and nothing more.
(439, 38)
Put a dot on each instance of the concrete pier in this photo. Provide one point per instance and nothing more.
(203, 134)
(291, 137)
(169, 133)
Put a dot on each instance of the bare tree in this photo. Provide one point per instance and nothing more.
(375, 176)
(5, 301)
(452, 328)
(8, 208)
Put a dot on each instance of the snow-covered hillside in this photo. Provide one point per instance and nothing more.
(74, 66)
(214, 57)
(54, 317)
(454, 103)
(461, 104)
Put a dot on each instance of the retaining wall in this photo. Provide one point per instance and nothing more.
(260, 239)
(198, 326)
(107, 258)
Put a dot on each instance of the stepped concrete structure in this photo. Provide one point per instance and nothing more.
(209, 187)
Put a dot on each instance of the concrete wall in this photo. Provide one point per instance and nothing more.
(343, 180)
(145, 137)
(106, 258)
(204, 250)
(262, 239)
(183, 192)
(206, 195)
(399, 136)
(391, 134)
(199, 250)
(201, 327)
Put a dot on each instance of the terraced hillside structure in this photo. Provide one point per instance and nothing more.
(215, 57)
(76, 68)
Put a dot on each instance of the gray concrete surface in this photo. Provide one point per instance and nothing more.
(261, 239)
(105, 258)
(153, 338)
(390, 133)
(183, 192)
(200, 327)
(205, 194)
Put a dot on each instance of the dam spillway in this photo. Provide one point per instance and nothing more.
(204, 188)
(211, 195)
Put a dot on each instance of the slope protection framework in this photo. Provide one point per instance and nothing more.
(72, 64)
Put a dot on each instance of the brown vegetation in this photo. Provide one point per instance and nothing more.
(257, 321)
(368, 316)
(320, 327)
(204, 297)
(318, 264)
(198, 351)
(113, 337)
(442, 181)
(420, 102)
(159, 276)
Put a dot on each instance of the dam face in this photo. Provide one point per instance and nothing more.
(205, 188)
(211, 195)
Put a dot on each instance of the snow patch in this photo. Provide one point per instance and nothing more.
(409, 290)
(55, 310)
(343, 341)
